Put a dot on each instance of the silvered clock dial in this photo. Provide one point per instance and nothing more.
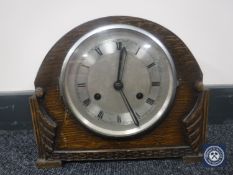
(118, 80)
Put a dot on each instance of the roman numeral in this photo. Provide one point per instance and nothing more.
(150, 101)
(119, 45)
(97, 49)
(100, 115)
(155, 83)
(137, 51)
(150, 65)
(118, 119)
(85, 66)
(87, 102)
(81, 84)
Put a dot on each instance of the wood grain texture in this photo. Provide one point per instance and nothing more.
(195, 123)
(44, 163)
(44, 129)
(174, 136)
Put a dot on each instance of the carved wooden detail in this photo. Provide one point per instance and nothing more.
(44, 129)
(195, 123)
(116, 154)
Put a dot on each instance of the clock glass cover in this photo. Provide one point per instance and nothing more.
(118, 80)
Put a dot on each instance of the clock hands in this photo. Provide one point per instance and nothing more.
(118, 85)
(122, 59)
(130, 109)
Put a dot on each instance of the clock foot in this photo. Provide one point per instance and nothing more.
(190, 159)
(43, 163)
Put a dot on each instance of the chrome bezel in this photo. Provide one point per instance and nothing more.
(107, 132)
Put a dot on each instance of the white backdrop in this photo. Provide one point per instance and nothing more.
(29, 28)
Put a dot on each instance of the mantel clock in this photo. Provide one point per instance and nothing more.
(119, 88)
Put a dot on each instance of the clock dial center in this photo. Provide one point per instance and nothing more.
(102, 79)
(118, 85)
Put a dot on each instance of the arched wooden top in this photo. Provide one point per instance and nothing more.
(186, 66)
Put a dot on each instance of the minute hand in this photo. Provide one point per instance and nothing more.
(130, 109)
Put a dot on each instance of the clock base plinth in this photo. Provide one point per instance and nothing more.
(190, 159)
(43, 163)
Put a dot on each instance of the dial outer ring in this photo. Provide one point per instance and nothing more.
(103, 131)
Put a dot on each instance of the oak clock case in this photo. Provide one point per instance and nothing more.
(119, 88)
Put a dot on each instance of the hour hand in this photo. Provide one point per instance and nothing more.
(122, 58)
(118, 85)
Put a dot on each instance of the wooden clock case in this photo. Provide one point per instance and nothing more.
(61, 137)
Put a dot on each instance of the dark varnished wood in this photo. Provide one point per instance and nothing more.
(60, 137)
(45, 163)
